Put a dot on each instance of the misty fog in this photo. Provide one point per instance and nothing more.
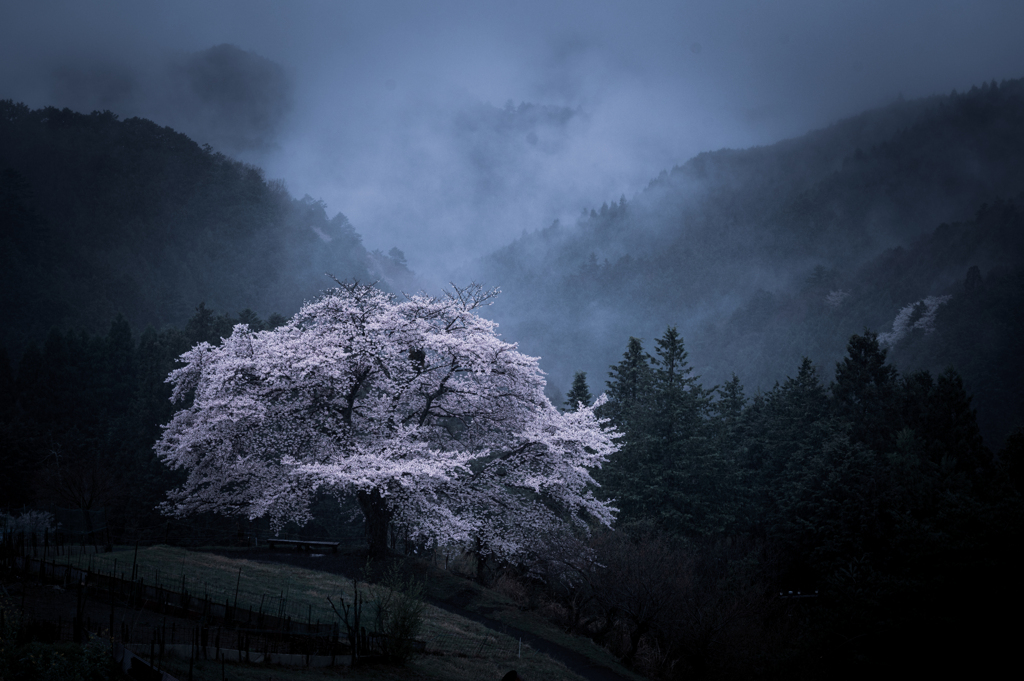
(475, 141)
(447, 129)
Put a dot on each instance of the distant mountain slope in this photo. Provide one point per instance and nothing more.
(741, 248)
(100, 216)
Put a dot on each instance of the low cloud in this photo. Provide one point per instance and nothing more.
(393, 112)
(237, 99)
(230, 98)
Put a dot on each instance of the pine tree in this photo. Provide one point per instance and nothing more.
(946, 423)
(865, 393)
(625, 477)
(728, 412)
(670, 469)
(249, 317)
(680, 403)
(631, 380)
(579, 393)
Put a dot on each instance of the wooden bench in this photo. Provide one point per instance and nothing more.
(305, 544)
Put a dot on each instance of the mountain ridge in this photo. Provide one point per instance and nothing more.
(102, 217)
(723, 244)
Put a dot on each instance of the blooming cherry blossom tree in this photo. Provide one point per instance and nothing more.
(919, 315)
(415, 406)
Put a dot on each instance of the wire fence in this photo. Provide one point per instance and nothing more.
(176, 591)
(239, 625)
(136, 594)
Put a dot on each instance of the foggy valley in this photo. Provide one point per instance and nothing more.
(784, 240)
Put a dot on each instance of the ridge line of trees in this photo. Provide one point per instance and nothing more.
(872, 494)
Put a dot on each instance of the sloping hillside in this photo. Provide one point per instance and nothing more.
(100, 217)
(742, 249)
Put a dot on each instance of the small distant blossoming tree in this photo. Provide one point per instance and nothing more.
(920, 315)
(415, 406)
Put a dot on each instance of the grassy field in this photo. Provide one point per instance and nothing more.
(515, 611)
(302, 594)
(421, 668)
(279, 590)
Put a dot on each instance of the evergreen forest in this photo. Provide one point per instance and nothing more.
(101, 217)
(763, 256)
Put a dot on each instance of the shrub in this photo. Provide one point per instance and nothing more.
(57, 662)
(398, 613)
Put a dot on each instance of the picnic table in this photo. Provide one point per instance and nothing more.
(305, 544)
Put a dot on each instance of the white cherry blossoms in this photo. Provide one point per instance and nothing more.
(415, 406)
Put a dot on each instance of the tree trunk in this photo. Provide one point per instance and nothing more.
(481, 563)
(378, 518)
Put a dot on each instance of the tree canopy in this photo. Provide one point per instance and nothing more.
(415, 406)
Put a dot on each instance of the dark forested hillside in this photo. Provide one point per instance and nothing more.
(763, 255)
(826, 528)
(100, 217)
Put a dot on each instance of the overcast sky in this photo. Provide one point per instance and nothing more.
(394, 113)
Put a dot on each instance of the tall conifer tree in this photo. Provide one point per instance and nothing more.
(579, 394)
